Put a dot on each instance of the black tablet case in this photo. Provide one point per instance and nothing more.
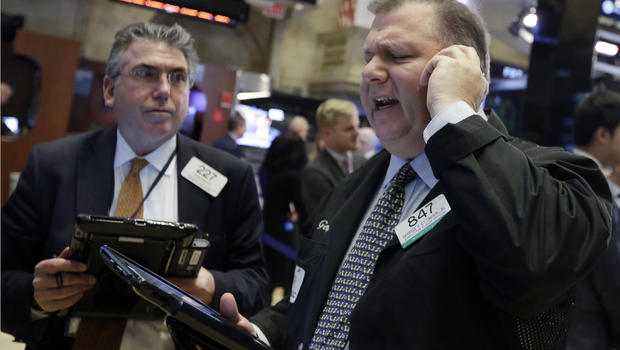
(170, 248)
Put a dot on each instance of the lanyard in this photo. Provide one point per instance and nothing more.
(161, 173)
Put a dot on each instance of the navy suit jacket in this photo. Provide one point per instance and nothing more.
(75, 175)
(494, 273)
(227, 144)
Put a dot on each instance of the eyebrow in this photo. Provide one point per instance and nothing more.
(386, 45)
(148, 66)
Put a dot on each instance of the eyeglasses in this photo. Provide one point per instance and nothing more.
(151, 76)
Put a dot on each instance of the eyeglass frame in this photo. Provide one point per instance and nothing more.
(189, 82)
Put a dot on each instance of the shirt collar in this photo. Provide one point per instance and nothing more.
(337, 156)
(233, 136)
(157, 158)
(420, 165)
(581, 152)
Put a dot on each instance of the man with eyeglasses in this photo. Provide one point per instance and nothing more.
(148, 78)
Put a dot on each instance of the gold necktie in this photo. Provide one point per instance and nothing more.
(130, 196)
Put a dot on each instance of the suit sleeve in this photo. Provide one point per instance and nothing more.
(22, 241)
(528, 216)
(244, 275)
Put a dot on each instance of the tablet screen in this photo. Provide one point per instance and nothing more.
(179, 304)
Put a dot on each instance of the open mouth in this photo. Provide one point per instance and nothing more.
(384, 102)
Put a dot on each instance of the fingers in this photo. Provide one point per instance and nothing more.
(452, 75)
(54, 299)
(202, 286)
(65, 253)
(51, 298)
(49, 293)
(54, 265)
(450, 54)
(229, 310)
(46, 280)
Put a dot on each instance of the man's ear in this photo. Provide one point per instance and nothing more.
(325, 131)
(601, 135)
(108, 91)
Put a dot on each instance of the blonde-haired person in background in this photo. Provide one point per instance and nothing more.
(337, 122)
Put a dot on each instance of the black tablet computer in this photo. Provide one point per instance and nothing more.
(169, 248)
(188, 314)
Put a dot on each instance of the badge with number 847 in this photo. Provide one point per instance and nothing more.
(422, 220)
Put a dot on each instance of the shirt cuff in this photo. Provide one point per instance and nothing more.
(260, 334)
(452, 114)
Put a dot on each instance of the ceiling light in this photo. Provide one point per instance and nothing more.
(530, 20)
(252, 95)
(605, 48)
(608, 7)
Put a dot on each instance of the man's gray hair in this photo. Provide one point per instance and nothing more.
(457, 25)
(174, 35)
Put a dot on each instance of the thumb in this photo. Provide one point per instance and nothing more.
(228, 307)
(229, 310)
(65, 253)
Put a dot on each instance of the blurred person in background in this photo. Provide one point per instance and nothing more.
(596, 324)
(283, 208)
(367, 142)
(338, 122)
(228, 142)
(299, 126)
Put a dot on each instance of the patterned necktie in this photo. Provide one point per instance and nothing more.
(130, 196)
(354, 275)
(99, 333)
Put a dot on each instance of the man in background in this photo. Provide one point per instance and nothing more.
(228, 142)
(596, 323)
(108, 172)
(457, 236)
(299, 125)
(367, 142)
(338, 122)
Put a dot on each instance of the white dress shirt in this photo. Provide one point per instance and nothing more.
(161, 204)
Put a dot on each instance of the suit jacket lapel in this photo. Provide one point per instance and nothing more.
(188, 193)
(95, 174)
(358, 192)
(332, 166)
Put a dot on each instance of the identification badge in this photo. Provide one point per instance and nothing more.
(421, 221)
(298, 279)
(204, 176)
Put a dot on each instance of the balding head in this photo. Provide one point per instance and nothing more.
(299, 125)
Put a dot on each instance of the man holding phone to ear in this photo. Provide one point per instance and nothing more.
(458, 235)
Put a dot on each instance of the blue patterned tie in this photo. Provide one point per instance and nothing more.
(354, 275)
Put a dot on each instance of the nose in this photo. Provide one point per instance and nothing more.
(162, 89)
(373, 71)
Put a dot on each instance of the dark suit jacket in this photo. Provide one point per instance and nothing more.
(320, 176)
(596, 324)
(227, 144)
(75, 175)
(524, 225)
